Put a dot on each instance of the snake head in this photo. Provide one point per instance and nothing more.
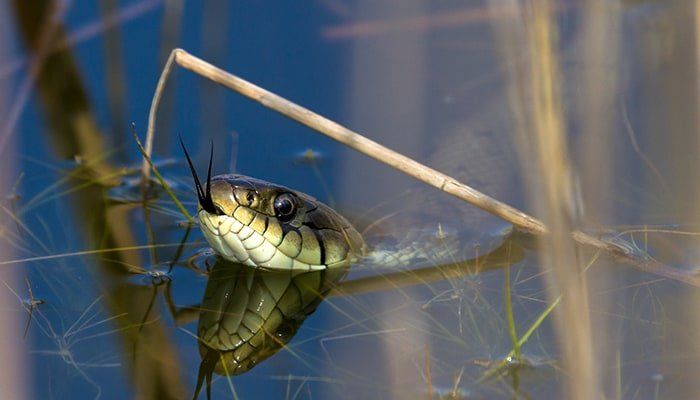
(261, 224)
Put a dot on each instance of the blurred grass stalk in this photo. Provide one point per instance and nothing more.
(598, 99)
(73, 130)
(13, 382)
(553, 197)
(694, 299)
(535, 86)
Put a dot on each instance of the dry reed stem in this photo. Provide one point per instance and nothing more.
(390, 157)
(339, 133)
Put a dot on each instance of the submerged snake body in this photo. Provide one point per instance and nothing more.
(268, 226)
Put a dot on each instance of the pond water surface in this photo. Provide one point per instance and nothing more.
(117, 294)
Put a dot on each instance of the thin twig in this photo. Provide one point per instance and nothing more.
(395, 160)
(338, 132)
(145, 168)
(160, 178)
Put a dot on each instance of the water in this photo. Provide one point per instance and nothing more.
(118, 286)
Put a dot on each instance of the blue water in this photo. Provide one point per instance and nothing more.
(434, 92)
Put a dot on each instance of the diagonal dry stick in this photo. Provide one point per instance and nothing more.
(337, 132)
(395, 160)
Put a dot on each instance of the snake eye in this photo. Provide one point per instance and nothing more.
(218, 210)
(285, 207)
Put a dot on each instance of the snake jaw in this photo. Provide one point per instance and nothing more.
(239, 243)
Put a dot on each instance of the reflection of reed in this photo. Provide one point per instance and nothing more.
(155, 373)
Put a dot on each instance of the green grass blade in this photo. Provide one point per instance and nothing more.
(162, 181)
